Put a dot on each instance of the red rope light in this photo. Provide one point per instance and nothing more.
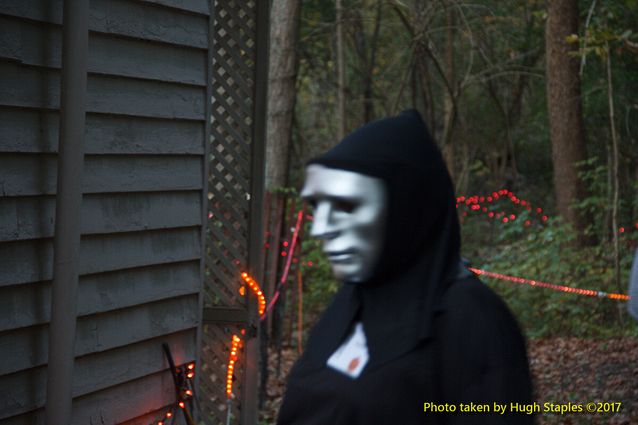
(562, 288)
(252, 284)
(289, 254)
(476, 202)
(291, 248)
(230, 368)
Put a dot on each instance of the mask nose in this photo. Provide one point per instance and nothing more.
(323, 226)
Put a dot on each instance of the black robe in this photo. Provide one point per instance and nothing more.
(435, 333)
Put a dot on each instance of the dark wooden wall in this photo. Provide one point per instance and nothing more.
(142, 213)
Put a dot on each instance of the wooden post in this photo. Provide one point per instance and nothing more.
(66, 267)
(249, 411)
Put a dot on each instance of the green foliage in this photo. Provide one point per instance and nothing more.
(545, 252)
(319, 285)
(596, 205)
(286, 191)
(610, 30)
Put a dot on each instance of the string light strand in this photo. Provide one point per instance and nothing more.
(476, 203)
(230, 367)
(289, 254)
(562, 288)
(185, 374)
(254, 286)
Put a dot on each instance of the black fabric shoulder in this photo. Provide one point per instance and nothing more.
(481, 353)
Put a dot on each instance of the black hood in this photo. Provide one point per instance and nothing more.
(421, 245)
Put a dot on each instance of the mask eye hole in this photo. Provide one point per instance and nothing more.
(345, 206)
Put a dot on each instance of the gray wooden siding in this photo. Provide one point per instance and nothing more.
(115, 404)
(112, 56)
(32, 217)
(25, 391)
(28, 305)
(128, 18)
(32, 261)
(32, 87)
(142, 210)
(36, 131)
(102, 174)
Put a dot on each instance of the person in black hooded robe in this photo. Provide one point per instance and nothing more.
(410, 325)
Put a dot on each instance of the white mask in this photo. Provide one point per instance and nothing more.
(349, 217)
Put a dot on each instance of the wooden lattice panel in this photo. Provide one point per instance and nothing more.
(231, 151)
(214, 401)
(233, 78)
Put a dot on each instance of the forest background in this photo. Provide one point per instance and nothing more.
(534, 106)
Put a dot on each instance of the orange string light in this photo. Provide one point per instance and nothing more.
(562, 288)
(257, 290)
(230, 369)
(167, 415)
(183, 393)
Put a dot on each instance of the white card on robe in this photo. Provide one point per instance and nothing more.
(352, 356)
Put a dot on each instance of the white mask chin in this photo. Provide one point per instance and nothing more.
(349, 217)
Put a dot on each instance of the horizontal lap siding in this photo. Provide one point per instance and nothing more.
(32, 217)
(31, 261)
(142, 207)
(110, 54)
(127, 18)
(24, 391)
(29, 304)
(29, 175)
(36, 131)
(130, 400)
(39, 88)
(27, 348)
(195, 6)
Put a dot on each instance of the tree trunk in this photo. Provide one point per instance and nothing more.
(369, 64)
(341, 74)
(614, 214)
(564, 110)
(284, 23)
(282, 69)
(449, 107)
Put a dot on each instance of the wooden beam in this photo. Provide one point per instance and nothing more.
(224, 315)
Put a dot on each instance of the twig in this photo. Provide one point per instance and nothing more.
(583, 58)
(614, 141)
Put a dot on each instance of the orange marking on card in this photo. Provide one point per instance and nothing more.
(353, 364)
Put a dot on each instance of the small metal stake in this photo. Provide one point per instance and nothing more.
(229, 405)
(177, 380)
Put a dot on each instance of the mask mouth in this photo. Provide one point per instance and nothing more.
(339, 257)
